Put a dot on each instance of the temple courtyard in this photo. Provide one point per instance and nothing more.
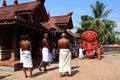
(108, 68)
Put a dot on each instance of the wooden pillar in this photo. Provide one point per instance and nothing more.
(14, 42)
(0, 53)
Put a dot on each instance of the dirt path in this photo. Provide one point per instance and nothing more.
(86, 69)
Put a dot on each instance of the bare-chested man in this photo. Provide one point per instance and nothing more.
(25, 46)
(45, 52)
(64, 47)
(99, 51)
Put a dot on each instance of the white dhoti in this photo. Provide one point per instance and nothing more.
(21, 57)
(45, 54)
(27, 59)
(50, 58)
(81, 53)
(65, 61)
(53, 53)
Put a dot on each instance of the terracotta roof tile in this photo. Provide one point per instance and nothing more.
(8, 12)
(53, 21)
(27, 6)
(72, 34)
(64, 20)
(61, 19)
(51, 25)
(4, 15)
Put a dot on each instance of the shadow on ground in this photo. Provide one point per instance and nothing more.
(74, 67)
(74, 72)
(54, 68)
(42, 72)
(2, 77)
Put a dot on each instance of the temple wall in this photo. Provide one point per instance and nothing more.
(108, 48)
(5, 43)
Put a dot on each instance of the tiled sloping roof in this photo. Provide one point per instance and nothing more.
(64, 20)
(8, 12)
(51, 25)
(6, 15)
(72, 34)
(53, 21)
(61, 19)
(27, 6)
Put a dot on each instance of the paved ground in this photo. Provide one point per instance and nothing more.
(86, 69)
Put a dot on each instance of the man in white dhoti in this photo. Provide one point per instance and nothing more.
(21, 58)
(25, 46)
(45, 53)
(64, 47)
(81, 56)
(27, 59)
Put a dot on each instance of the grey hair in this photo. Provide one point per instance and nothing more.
(63, 35)
(45, 34)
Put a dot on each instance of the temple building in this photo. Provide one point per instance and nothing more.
(60, 24)
(32, 19)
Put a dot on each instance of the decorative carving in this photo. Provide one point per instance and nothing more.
(4, 3)
(42, 1)
(69, 13)
(89, 42)
(15, 2)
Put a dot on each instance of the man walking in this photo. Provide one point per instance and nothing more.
(45, 53)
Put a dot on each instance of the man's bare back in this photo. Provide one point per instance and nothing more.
(25, 45)
(45, 43)
(63, 44)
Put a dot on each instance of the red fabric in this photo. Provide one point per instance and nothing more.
(89, 41)
(37, 53)
(56, 53)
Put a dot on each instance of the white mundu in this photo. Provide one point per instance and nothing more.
(27, 59)
(21, 57)
(81, 53)
(45, 54)
(65, 61)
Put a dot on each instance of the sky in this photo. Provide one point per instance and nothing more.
(78, 7)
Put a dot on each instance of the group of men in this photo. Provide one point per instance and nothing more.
(63, 46)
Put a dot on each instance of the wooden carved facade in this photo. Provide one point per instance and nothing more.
(29, 18)
(60, 24)
(20, 19)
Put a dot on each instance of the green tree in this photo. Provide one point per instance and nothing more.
(98, 23)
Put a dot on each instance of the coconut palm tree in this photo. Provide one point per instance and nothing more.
(98, 23)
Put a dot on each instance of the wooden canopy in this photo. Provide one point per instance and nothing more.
(21, 19)
(59, 23)
(30, 13)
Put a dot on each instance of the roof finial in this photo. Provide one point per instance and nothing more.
(15, 2)
(37, 0)
(48, 14)
(69, 13)
(42, 1)
(4, 3)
